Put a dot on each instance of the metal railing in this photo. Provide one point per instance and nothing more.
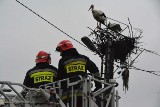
(42, 97)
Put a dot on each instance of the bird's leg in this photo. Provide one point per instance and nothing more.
(97, 24)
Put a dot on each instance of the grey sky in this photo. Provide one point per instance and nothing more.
(23, 34)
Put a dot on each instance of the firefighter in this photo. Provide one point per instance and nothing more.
(73, 64)
(42, 73)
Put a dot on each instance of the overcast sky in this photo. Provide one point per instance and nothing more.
(23, 35)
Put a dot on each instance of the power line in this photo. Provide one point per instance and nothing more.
(153, 52)
(65, 32)
(49, 23)
(152, 72)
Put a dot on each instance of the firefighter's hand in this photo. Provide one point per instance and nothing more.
(97, 85)
(23, 94)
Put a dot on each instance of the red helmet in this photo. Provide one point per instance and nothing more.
(43, 57)
(64, 45)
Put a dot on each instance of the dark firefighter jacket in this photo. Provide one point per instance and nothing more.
(72, 64)
(41, 74)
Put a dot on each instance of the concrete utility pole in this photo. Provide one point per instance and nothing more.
(109, 60)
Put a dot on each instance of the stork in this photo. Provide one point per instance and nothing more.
(98, 15)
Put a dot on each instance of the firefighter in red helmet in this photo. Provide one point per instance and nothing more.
(42, 73)
(68, 66)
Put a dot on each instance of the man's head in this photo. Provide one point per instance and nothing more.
(43, 57)
(64, 45)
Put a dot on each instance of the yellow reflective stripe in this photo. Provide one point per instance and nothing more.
(42, 73)
(76, 62)
(70, 95)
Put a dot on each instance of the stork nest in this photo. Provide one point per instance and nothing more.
(121, 45)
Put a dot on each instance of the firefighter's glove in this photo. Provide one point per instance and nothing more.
(98, 86)
(24, 94)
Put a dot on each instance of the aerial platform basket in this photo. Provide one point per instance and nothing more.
(41, 97)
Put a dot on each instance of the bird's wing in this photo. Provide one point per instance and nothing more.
(103, 15)
(98, 13)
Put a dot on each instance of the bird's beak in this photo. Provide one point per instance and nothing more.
(89, 8)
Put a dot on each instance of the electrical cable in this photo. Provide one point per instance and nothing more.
(49, 22)
(152, 72)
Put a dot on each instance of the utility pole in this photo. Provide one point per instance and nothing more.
(109, 60)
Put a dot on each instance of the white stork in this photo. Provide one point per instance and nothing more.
(98, 15)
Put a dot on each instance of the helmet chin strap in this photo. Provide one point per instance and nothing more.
(49, 61)
(60, 53)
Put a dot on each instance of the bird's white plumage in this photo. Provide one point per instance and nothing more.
(98, 15)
